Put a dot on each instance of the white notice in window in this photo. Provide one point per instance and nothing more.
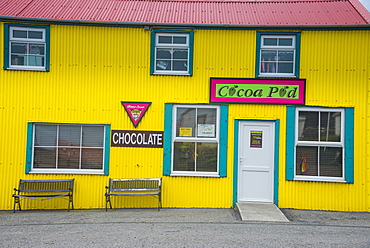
(206, 130)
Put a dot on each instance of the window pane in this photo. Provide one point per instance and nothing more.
(35, 34)
(69, 135)
(206, 159)
(179, 40)
(92, 136)
(163, 65)
(44, 157)
(35, 60)
(331, 161)
(308, 126)
(19, 34)
(92, 159)
(180, 65)
(185, 122)
(286, 56)
(330, 126)
(20, 48)
(307, 161)
(206, 121)
(285, 42)
(37, 49)
(68, 158)
(267, 61)
(270, 42)
(164, 53)
(45, 135)
(184, 156)
(285, 68)
(180, 54)
(165, 39)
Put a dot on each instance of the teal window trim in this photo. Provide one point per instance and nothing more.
(167, 139)
(297, 49)
(348, 144)
(191, 51)
(290, 139)
(167, 157)
(7, 48)
(107, 150)
(29, 146)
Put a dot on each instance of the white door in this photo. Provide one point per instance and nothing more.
(256, 161)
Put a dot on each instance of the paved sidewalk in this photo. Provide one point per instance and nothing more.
(173, 215)
(180, 228)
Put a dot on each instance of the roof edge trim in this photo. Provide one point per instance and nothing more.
(179, 25)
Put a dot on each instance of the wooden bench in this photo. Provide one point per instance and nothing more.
(133, 187)
(43, 190)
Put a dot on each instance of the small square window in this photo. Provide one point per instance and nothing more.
(171, 53)
(277, 55)
(26, 48)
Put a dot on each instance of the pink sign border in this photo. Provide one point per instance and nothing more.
(301, 82)
(146, 106)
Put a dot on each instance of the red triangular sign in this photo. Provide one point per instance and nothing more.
(136, 110)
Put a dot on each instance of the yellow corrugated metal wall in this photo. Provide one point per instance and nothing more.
(336, 66)
(93, 69)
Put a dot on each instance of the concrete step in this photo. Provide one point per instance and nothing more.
(260, 212)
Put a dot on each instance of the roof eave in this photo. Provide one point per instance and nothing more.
(179, 25)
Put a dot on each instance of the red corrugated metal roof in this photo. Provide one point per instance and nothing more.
(190, 12)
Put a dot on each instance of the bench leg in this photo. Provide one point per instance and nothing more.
(16, 201)
(107, 199)
(70, 202)
(159, 201)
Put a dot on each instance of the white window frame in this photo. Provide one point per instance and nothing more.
(27, 40)
(277, 48)
(320, 144)
(216, 139)
(68, 171)
(172, 46)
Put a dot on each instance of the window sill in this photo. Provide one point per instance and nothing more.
(63, 171)
(194, 174)
(319, 179)
(171, 74)
(276, 76)
(25, 69)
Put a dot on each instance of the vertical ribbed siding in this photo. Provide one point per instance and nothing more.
(93, 69)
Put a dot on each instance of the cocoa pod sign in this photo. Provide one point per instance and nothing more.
(260, 91)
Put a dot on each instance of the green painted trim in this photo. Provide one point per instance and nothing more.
(298, 54)
(297, 49)
(191, 52)
(107, 149)
(6, 44)
(29, 147)
(290, 136)
(349, 145)
(47, 42)
(167, 145)
(152, 50)
(224, 114)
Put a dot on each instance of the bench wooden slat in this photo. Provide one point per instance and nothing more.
(44, 186)
(134, 187)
